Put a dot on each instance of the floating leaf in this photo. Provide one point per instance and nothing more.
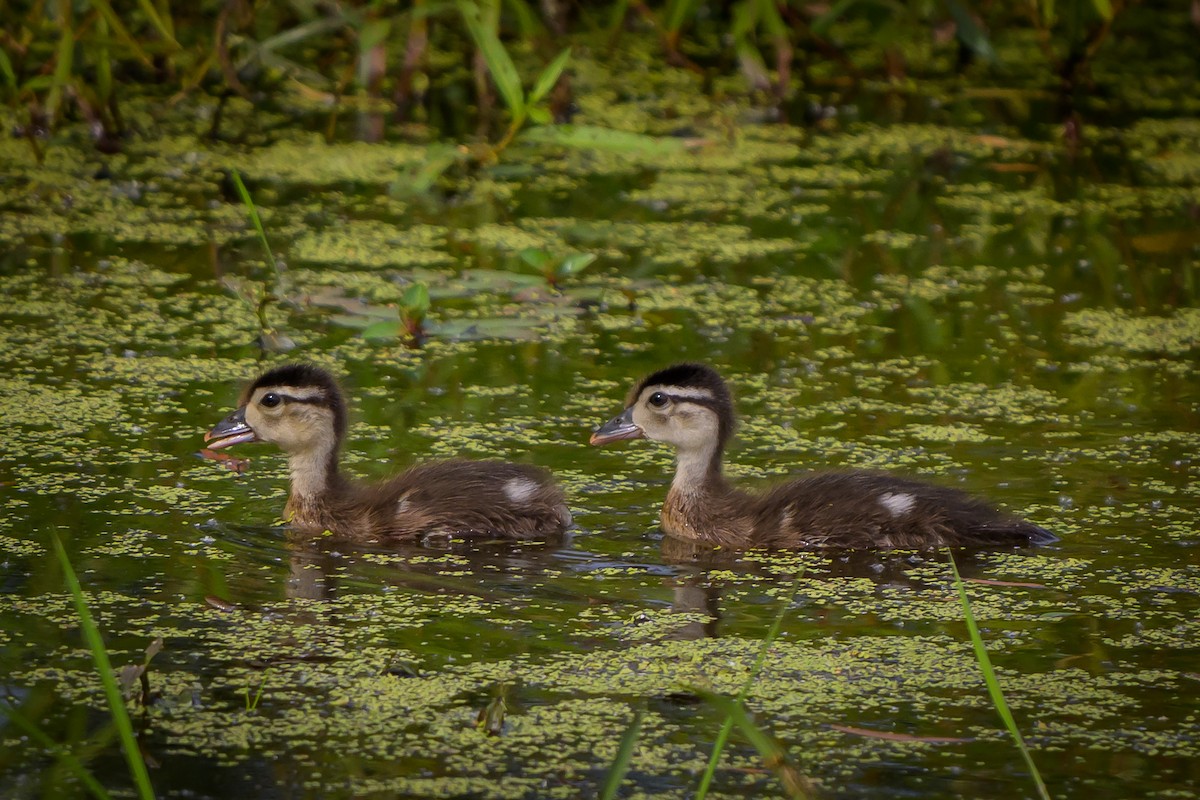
(386, 329)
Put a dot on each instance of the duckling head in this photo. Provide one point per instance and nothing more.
(685, 405)
(298, 407)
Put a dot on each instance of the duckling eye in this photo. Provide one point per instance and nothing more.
(270, 400)
(658, 400)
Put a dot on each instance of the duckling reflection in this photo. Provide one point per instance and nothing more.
(300, 408)
(689, 406)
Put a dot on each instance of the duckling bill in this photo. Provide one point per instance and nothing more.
(689, 406)
(301, 409)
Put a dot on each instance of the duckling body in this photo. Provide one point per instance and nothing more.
(301, 409)
(689, 406)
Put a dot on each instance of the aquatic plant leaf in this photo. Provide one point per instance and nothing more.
(63, 60)
(121, 32)
(6, 69)
(373, 33)
(499, 62)
(163, 26)
(549, 76)
(969, 32)
(590, 137)
(527, 24)
(383, 330)
(416, 299)
(576, 263)
(535, 257)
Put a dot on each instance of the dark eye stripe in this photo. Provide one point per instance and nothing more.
(707, 402)
(312, 401)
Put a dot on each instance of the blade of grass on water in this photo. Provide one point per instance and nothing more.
(727, 725)
(620, 765)
(116, 704)
(795, 783)
(63, 754)
(252, 210)
(993, 685)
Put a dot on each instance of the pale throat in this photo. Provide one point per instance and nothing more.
(312, 470)
(694, 468)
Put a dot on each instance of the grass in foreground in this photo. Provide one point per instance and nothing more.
(993, 685)
(112, 692)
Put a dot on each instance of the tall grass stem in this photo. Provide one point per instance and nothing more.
(112, 692)
(739, 701)
(993, 685)
(63, 754)
(620, 765)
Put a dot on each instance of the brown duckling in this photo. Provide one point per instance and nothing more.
(689, 407)
(300, 408)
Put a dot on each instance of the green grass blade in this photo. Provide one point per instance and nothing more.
(678, 12)
(61, 753)
(63, 64)
(969, 32)
(527, 22)
(116, 705)
(549, 76)
(104, 82)
(499, 62)
(6, 69)
(120, 32)
(252, 210)
(993, 685)
(795, 783)
(620, 765)
(164, 28)
(755, 668)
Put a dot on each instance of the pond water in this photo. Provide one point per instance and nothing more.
(932, 283)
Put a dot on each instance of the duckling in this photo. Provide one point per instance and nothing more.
(689, 406)
(301, 409)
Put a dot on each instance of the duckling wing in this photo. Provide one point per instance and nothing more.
(472, 498)
(872, 510)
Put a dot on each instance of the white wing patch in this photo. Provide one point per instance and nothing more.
(520, 490)
(898, 503)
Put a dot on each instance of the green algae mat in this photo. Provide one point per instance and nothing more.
(934, 285)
